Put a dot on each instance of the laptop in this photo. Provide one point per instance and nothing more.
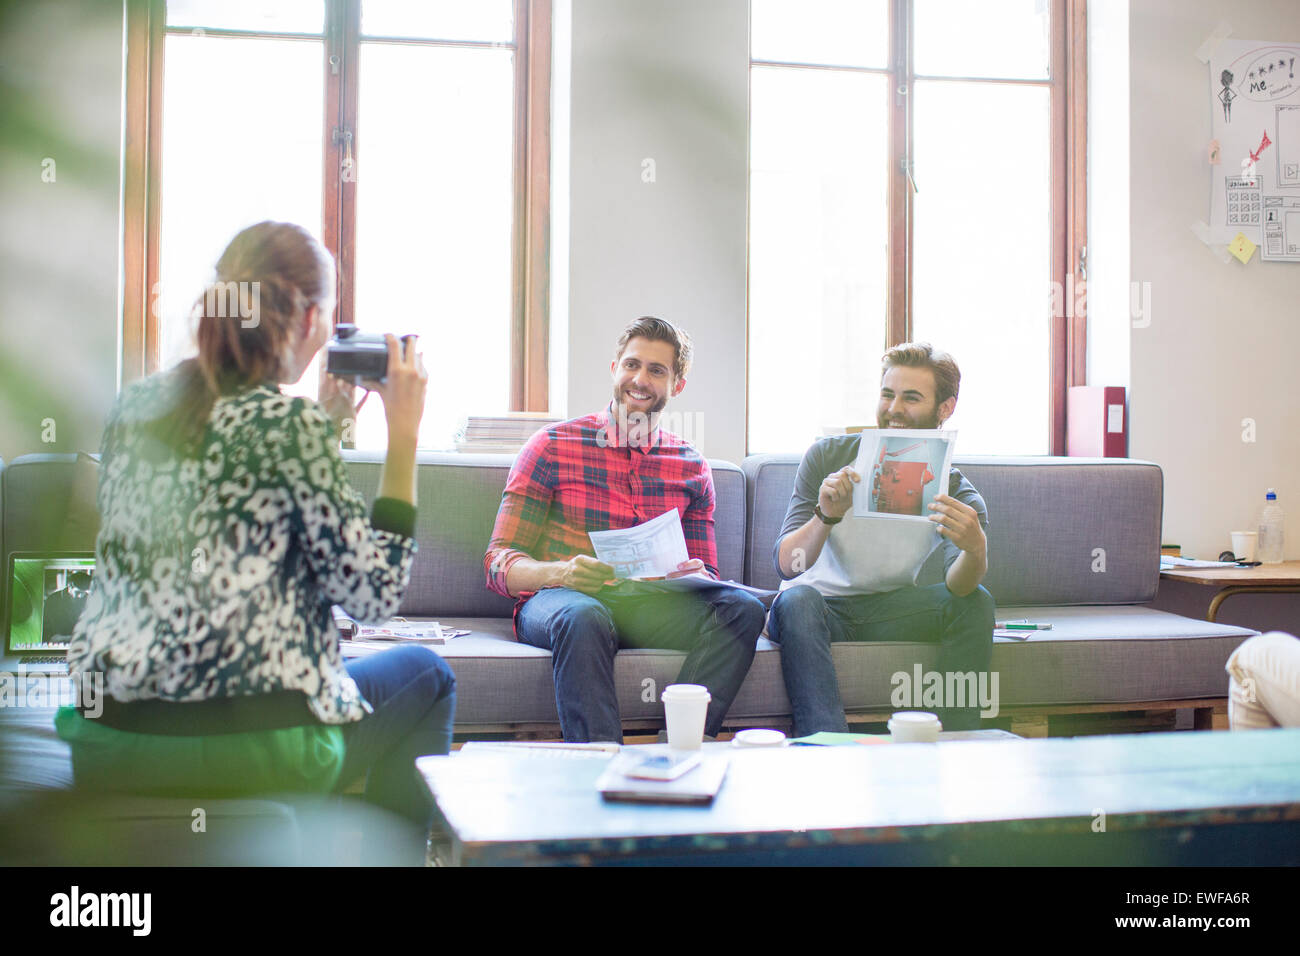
(45, 594)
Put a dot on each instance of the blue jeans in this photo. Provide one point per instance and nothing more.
(413, 693)
(805, 624)
(717, 627)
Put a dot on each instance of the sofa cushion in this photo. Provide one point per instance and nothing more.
(48, 503)
(459, 495)
(1114, 654)
(1061, 530)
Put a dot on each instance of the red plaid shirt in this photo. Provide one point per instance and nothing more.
(581, 476)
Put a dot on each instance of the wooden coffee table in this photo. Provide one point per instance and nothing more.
(1281, 578)
(1161, 799)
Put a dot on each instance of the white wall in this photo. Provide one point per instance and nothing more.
(1224, 340)
(665, 81)
(60, 99)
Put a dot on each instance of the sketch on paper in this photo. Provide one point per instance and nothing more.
(649, 550)
(1256, 121)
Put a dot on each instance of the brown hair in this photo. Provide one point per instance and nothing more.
(660, 330)
(268, 277)
(947, 377)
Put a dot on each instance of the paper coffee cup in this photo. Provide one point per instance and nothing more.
(1244, 544)
(914, 727)
(685, 707)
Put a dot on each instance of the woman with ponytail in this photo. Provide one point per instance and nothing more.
(228, 531)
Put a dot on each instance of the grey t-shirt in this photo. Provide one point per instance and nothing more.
(828, 455)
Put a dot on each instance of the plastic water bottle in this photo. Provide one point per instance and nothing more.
(1270, 530)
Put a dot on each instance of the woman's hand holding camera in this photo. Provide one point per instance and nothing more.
(404, 390)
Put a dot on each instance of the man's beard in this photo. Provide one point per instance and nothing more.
(926, 423)
(633, 424)
(660, 404)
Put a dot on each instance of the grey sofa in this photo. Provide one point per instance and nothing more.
(1071, 541)
(1049, 518)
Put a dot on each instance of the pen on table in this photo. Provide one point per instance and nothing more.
(1022, 626)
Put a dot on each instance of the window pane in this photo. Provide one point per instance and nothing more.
(435, 196)
(818, 252)
(837, 32)
(281, 16)
(982, 255)
(994, 38)
(483, 20)
(239, 146)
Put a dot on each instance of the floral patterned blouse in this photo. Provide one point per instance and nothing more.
(215, 575)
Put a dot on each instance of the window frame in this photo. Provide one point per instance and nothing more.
(1067, 83)
(142, 177)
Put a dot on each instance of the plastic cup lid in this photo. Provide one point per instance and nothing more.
(685, 691)
(914, 717)
(759, 738)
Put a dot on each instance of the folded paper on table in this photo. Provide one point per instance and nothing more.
(1169, 561)
(826, 738)
(651, 549)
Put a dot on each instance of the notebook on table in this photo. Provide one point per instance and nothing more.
(45, 594)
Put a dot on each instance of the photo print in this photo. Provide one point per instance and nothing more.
(902, 470)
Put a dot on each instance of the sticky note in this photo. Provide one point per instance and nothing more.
(1214, 152)
(1241, 247)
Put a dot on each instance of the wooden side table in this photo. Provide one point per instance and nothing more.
(1281, 578)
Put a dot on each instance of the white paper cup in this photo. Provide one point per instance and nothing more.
(685, 707)
(914, 727)
(1244, 544)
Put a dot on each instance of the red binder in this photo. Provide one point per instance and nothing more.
(1096, 422)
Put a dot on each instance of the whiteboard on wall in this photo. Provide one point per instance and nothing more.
(1255, 103)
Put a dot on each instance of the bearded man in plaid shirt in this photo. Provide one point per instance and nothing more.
(613, 470)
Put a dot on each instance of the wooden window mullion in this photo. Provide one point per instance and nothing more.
(899, 93)
(530, 233)
(1058, 339)
(350, 29)
(536, 67)
(331, 229)
(519, 227)
(1076, 14)
(141, 188)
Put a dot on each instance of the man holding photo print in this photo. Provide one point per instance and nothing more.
(841, 592)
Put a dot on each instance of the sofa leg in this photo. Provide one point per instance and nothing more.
(1029, 726)
(1211, 718)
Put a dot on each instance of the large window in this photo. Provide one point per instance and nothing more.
(403, 133)
(910, 180)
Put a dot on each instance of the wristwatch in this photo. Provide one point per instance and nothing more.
(817, 510)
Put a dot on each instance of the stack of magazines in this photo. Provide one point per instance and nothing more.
(500, 434)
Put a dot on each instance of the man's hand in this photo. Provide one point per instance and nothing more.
(959, 523)
(835, 497)
(686, 568)
(584, 573)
